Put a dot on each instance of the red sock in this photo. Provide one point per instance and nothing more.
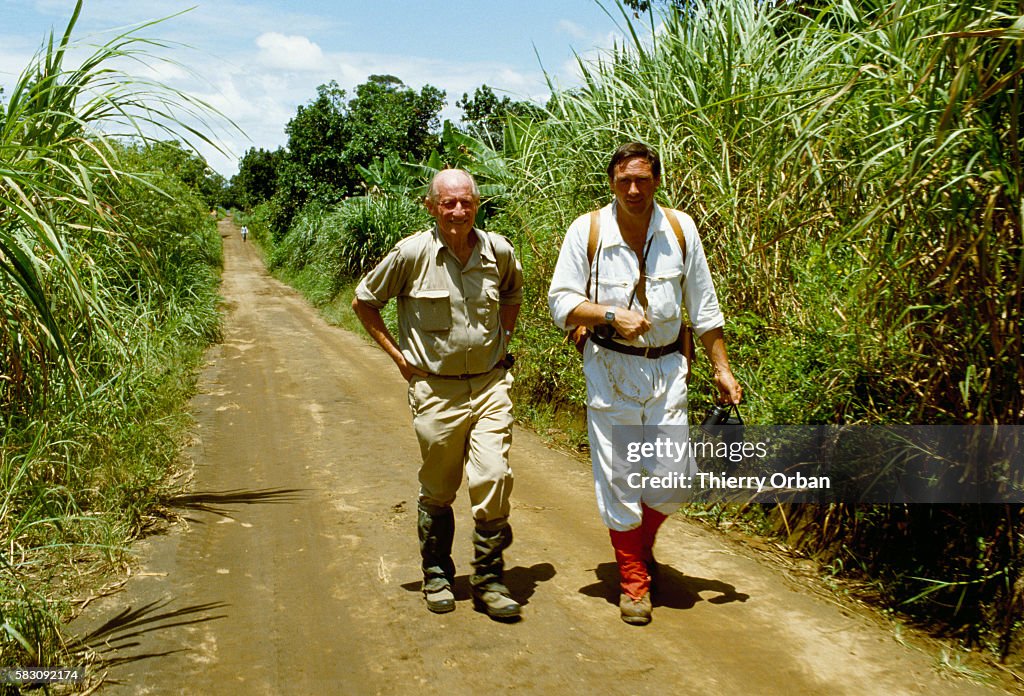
(629, 556)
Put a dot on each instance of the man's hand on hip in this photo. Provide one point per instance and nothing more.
(409, 371)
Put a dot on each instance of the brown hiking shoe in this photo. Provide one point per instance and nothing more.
(635, 611)
(440, 601)
(496, 605)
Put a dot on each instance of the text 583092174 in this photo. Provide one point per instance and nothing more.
(41, 675)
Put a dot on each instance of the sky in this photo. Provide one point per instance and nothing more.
(256, 61)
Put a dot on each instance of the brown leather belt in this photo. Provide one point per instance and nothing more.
(465, 375)
(651, 352)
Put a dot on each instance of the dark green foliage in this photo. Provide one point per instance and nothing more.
(387, 117)
(188, 168)
(330, 138)
(256, 180)
(484, 116)
(317, 140)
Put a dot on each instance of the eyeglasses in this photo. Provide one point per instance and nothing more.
(453, 203)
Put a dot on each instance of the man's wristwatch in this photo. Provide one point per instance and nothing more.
(609, 316)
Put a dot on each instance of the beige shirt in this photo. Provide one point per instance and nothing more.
(448, 315)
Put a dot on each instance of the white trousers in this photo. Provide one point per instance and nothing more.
(626, 390)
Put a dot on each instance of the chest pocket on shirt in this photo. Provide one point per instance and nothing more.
(432, 309)
(482, 294)
(665, 294)
(614, 290)
(484, 307)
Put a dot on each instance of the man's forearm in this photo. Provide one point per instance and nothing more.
(729, 389)
(374, 324)
(627, 323)
(713, 341)
(508, 314)
(588, 314)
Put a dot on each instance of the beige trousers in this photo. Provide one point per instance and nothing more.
(464, 424)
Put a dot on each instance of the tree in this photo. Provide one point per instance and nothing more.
(639, 6)
(329, 138)
(388, 117)
(484, 115)
(256, 179)
(317, 139)
(174, 159)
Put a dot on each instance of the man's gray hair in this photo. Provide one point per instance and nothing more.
(432, 192)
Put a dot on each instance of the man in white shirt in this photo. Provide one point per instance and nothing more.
(629, 296)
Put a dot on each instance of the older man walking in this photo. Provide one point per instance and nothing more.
(458, 290)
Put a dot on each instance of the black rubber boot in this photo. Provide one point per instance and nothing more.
(490, 539)
(436, 527)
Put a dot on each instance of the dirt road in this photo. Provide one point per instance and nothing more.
(298, 571)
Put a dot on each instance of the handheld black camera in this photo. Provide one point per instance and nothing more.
(605, 331)
(721, 415)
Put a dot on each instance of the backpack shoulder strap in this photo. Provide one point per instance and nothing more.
(673, 220)
(595, 234)
(687, 346)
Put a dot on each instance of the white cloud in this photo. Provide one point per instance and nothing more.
(295, 53)
(256, 62)
(572, 29)
(12, 65)
(163, 72)
(598, 48)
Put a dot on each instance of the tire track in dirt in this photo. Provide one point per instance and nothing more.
(298, 570)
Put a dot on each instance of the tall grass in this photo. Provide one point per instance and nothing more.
(325, 248)
(107, 296)
(855, 177)
(855, 173)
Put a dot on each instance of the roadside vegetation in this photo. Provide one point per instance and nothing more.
(855, 170)
(109, 265)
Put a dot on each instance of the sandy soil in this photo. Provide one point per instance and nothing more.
(297, 571)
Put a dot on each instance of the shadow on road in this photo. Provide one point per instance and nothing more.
(124, 630)
(523, 581)
(520, 580)
(672, 588)
(214, 502)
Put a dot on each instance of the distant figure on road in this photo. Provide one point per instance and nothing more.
(458, 290)
(245, 232)
(623, 273)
